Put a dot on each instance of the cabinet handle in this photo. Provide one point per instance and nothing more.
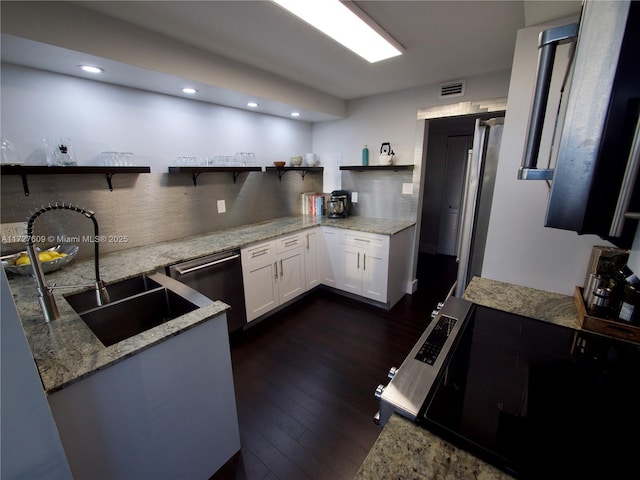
(362, 240)
(630, 175)
(290, 242)
(364, 262)
(307, 241)
(358, 264)
(281, 269)
(259, 253)
(275, 267)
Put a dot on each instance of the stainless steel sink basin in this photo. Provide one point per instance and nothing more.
(138, 304)
(83, 301)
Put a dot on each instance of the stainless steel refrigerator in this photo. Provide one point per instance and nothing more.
(477, 195)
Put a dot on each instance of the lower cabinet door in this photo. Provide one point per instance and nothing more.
(374, 269)
(260, 289)
(291, 280)
(351, 278)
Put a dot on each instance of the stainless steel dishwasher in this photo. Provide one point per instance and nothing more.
(218, 277)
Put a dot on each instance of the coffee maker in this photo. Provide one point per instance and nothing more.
(338, 206)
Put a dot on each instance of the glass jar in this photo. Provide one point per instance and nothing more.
(630, 308)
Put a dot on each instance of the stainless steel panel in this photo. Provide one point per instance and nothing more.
(412, 381)
(218, 277)
(601, 32)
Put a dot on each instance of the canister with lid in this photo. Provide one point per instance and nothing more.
(600, 303)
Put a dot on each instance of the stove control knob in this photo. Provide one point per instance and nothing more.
(440, 305)
(434, 314)
(379, 391)
(376, 418)
(392, 372)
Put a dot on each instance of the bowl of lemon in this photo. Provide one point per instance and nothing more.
(51, 259)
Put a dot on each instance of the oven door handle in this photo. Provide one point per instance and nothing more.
(183, 271)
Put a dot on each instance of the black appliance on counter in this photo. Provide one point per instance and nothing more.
(535, 399)
(218, 277)
(338, 205)
(597, 137)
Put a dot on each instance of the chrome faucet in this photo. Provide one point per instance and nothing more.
(45, 293)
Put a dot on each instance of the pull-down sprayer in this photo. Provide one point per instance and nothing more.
(45, 293)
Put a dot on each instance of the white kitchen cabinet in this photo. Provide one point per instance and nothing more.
(273, 273)
(312, 257)
(365, 264)
(330, 256)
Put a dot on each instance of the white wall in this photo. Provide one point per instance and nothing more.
(31, 447)
(156, 128)
(392, 118)
(520, 249)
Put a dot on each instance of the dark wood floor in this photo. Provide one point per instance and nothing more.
(305, 379)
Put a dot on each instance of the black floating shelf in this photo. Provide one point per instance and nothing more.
(24, 170)
(303, 170)
(195, 171)
(367, 168)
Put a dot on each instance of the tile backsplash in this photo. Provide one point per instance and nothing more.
(148, 208)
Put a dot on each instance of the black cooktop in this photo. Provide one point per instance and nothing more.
(539, 400)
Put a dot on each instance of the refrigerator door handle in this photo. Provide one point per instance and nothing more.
(470, 197)
(464, 204)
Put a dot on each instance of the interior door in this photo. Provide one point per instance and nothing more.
(455, 160)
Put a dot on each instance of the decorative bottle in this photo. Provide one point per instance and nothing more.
(365, 155)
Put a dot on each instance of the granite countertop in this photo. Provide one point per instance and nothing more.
(405, 451)
(66, 350)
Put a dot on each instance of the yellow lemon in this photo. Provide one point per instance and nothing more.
(53, 254)
(44, 257)
(23, 260)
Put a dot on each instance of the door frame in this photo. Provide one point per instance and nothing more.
(424, 115)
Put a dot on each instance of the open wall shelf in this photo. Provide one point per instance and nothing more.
(368, 168)
(303, 170)
(195, 171)
(24, 170)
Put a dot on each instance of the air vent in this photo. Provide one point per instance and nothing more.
(452, 89)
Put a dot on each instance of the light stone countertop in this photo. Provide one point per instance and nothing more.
(406, 451)
(66, 350)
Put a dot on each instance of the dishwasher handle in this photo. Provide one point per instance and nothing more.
(183, 271)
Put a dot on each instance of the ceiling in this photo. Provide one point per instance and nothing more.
(443, 40)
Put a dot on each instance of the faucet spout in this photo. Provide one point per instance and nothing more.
(45, 293)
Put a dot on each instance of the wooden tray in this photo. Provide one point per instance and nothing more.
(600, 325)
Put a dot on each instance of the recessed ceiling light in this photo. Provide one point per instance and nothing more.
(339, 22)
(252, 104)
(189, 90)
(295, 114)
(90, 69)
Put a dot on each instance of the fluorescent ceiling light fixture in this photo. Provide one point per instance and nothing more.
(340, 23)
(189, 90)
(295, 114)
(90, 69)
(252, 104)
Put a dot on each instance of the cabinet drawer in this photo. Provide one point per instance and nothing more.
(262, 252)
(289, 242)
(366, 240)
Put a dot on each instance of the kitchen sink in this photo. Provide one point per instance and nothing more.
(137, 304)
(83, 301)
